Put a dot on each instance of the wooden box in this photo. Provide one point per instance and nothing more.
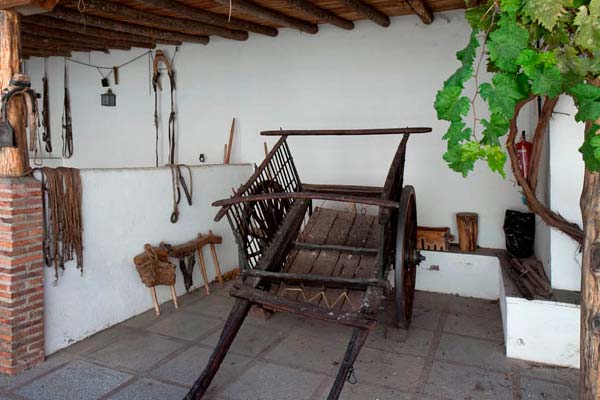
(429, 238)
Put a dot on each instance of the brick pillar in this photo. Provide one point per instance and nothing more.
(21, 275)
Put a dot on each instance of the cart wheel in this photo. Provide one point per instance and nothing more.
(407, 257)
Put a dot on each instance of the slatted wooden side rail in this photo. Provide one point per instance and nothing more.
(255, 223)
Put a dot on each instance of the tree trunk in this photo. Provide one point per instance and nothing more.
(590, 285)
(10, 58)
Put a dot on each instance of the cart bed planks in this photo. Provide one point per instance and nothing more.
(324, 263)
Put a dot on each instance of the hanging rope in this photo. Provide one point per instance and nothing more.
(62, 217)
(67, 127)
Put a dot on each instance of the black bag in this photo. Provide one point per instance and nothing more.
(519, 230)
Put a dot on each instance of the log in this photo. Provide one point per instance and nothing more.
(93, 32)
(590, 284)
(184, 11)
(347, 132)
(368, 11)
(255, 10)
(64, 14)
(422, 10)
(322, 14)
(27, 52)
(34, 41)
(28, 7)
(82, 39)
(108, 9)
(467, 231)
(13, 163)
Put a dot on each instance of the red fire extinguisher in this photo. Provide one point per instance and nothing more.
(523, 153)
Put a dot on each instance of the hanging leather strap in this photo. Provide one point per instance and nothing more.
(178, 182)
(67, 127)
(20, 84)
(47, 136)
(160, 57)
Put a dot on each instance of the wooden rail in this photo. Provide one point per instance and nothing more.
(347, 132)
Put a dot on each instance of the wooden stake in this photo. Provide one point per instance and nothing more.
(174, 296)
(266, 149)
(216, 261)
(155, 301)
(203, 269)
(225, 154)
(467, 231)
(230, 145)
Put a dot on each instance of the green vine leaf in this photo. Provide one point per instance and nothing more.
(542, 69)
(495, 128)
(503, 95)
(544, 12)
(588, 23)
(506, 43)
(450, 105)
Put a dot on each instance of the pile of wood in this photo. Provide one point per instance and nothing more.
(528, 275)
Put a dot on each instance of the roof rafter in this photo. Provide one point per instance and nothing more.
(321, 13)
(422, 10)
(61, 35)
(105, 23)
(368, 11)
(36, 52)
(250, 8)
(32, 40)
(196, 14)
(91, 31)
(109, 10)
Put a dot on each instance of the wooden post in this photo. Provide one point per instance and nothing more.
(12, 162)
(590, 285)
(467, 231)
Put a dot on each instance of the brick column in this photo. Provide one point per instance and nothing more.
(21, 275)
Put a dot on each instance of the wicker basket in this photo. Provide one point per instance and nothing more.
(154, 271)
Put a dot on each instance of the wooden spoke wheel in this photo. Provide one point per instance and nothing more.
(407, 257)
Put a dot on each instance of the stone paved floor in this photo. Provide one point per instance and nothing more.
(453, 351)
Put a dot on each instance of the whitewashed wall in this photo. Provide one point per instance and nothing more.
(123, 210)
(370, 77)
(566, 183)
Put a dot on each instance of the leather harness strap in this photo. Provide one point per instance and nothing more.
(46, 137)
(67, 127)
(178, 182)
(159, 57)
(20, 84)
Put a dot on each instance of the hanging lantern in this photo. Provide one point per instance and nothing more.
(108, 99)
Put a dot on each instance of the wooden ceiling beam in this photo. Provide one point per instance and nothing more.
(53, 42)
(29, 52)
(109, 10)
(58, 34)
(28, 7)
(321, 13)
(74, 28)
(51, 48)
(422, 10)
(65, 14)
(250, 8)
(368, 11)
(196, 14)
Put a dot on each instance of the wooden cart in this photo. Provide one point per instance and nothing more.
(321, 263)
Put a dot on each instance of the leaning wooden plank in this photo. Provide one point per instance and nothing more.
(348, 262)
(304, 309)
(232, 326)
(332, 247)
(304, 262)
(306, 195)
(316, 280)
(347, 132)
(351, 190)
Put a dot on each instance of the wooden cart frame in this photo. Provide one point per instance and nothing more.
(279, 233)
